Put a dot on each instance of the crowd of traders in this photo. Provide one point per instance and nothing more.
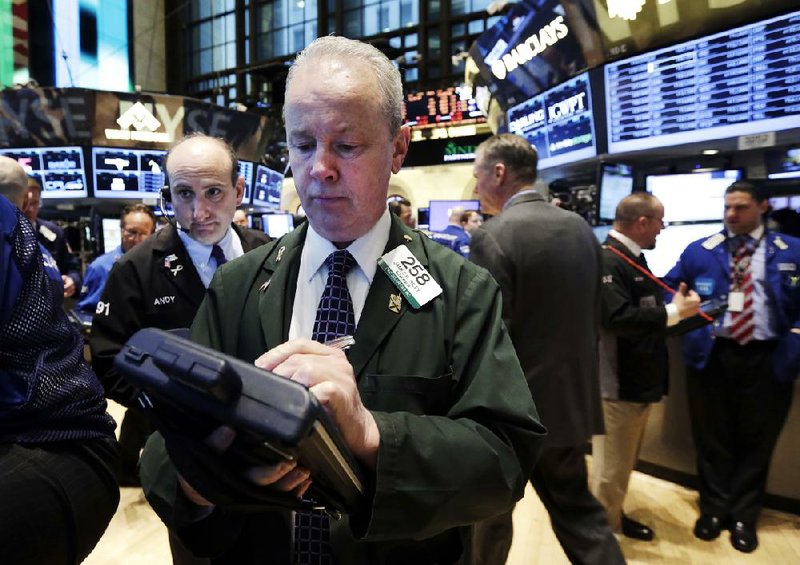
(456, 392)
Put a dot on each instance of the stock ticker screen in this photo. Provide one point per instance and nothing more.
(127, 173)
(742, 81)
(558, 122)
(441, 107)
(59, 170)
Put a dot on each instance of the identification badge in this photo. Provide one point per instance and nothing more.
(736, 301)
(409, 276)
(704, 287)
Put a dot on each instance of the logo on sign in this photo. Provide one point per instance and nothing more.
(144, 125)
(533, 46)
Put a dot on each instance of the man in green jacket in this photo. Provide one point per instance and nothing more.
(431, 399)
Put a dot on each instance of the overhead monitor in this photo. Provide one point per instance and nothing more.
(127, 173)
(672, 241)
(781, 202)
(739, 82)
(783, 164)
(276, 225)
(558, 123)
(692, 197)
(615, 183)
(267, 188)
(439, 211)
(442, 107)
(60, 170)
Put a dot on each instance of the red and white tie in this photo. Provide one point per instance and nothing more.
(743, 322)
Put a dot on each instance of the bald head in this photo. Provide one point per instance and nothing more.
(13, 181)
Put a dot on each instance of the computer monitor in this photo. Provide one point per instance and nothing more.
(245, 170)
(127, 173)
(672, 241)
(692, 197)
(112, 234)
(615, 182)
(439, 211)
(267, 188)
(60, 170)
(276, 225)
(783, 164)
(423, 218)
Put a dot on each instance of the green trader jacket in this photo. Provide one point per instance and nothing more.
(459, 430)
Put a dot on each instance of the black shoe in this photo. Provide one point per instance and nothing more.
(636, 530)
(707, 527)
(743, 537)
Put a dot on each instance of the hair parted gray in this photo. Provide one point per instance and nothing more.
(387, 77)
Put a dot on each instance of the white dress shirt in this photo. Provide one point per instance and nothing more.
(200, 253)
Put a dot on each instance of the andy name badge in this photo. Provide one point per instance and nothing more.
(409, 276)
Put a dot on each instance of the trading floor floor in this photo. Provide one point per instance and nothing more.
(136, 536)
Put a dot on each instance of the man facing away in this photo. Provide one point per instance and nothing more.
(416, 396)
(547, 263)
(740, 371)
(137, 222)
(633, 352)
(57, 446)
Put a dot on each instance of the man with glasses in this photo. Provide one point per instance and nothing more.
(633, 352)
(137, 222)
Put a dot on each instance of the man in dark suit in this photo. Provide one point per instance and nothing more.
(416, 396)
(547, 263)
(740, 371)
(53, 239)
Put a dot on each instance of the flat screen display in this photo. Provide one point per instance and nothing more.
(783, 164)
(439, 211)
(441, 107)
(614, 184)
(276, 225)
(537, 44)
(112, 234)
(245, 170)
(692, 197)
(781, 202)
(60, 170)
(671, 242)
(558, 122)
(742, 81)
(423, 217)
(267, 188)
(127, 173)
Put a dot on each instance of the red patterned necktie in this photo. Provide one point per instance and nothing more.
(743, 323)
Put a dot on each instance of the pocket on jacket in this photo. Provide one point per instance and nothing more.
(406, 393)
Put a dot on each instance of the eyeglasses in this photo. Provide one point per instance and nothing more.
(132, 234)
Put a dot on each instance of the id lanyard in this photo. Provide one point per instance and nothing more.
(651, 276)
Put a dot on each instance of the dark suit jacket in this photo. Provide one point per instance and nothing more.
(547, 262)
(144, 290)
(455, 447)
(54, 240)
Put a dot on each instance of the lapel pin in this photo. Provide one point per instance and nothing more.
(394, 303)
(263, 287)
(280, 253)
(407, 237)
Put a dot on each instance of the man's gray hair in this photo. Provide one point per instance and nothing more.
(387, 77)
(514, 151)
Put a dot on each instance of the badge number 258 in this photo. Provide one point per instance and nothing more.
(410, 277)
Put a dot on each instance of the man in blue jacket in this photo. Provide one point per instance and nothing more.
(137, 221)
(740, 370)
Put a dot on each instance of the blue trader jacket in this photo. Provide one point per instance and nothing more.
(705, 267)
(95, 279)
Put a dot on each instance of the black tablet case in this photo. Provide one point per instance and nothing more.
(189, 390)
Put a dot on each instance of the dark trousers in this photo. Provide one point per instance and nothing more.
(737, 410)
(56, 500)
(578, 519)
(133, 434)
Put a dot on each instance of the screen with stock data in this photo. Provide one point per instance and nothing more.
(59, 170)
(742, 81)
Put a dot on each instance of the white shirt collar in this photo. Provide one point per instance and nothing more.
(366, 250)
(632, 246)
(756, 234)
